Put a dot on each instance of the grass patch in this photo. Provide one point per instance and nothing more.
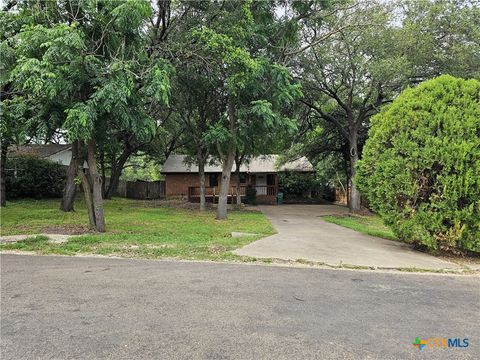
(134, 229)
(370, 225)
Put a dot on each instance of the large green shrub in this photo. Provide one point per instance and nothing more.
(32, 177)
(296, 183)
(421, 164)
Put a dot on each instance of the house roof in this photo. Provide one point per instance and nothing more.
(42, 151)
(260, 164)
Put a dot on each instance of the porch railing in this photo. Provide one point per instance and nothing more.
(270, 190)
(215, 190)
(211, 192)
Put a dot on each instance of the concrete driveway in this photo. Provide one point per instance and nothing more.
(302, 234)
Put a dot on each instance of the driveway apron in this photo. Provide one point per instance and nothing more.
(303, 235)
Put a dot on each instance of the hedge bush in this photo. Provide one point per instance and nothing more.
(421, 164)
(32, 177)
(296, 184)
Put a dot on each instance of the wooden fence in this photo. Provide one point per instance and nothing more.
(145, 190)
(341, 196)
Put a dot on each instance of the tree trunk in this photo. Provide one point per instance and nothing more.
(201, 173)
(116, 172)
(225, 186)
(68, 198)
(227, 165)
(355, 197)
(102, 172)
(87, 190)
(237, 188)
(3, 159)
(96, 188)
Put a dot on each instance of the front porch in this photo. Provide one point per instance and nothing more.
(266, 194)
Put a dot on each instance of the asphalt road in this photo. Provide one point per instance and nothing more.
(94, 308)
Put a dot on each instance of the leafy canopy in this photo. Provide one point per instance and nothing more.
(95, 73)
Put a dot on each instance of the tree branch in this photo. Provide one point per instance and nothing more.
(328, 117)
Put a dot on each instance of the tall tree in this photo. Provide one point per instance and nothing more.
(197, 104)
(121, 144)
(99, 71)
(441, 37)
(346, 92)
(252, 89)
(349, 69)
(18, 116)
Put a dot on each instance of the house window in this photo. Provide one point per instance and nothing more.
(213, 180)
(243, 178)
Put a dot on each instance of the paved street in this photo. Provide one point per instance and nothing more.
(85, 308)
(302, 234)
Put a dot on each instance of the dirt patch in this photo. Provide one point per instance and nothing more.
(170, 203)
(65, 230)
(161, 246)
(470, 260)
(216, 249)
(177, 203)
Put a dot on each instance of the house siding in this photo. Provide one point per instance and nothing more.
(177, 184)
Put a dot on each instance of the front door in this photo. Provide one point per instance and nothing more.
(261, 184)
(271, 179)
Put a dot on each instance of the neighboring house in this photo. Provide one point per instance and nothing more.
(59, 153)
(182, 179)
(62, 153)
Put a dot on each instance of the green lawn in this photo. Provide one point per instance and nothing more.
(370, 225)
(134, 229)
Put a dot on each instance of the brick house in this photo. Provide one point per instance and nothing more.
(182, 179)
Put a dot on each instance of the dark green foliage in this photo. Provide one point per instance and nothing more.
(31, 177)
(421, 165)
(250, 195)
(297, 184)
